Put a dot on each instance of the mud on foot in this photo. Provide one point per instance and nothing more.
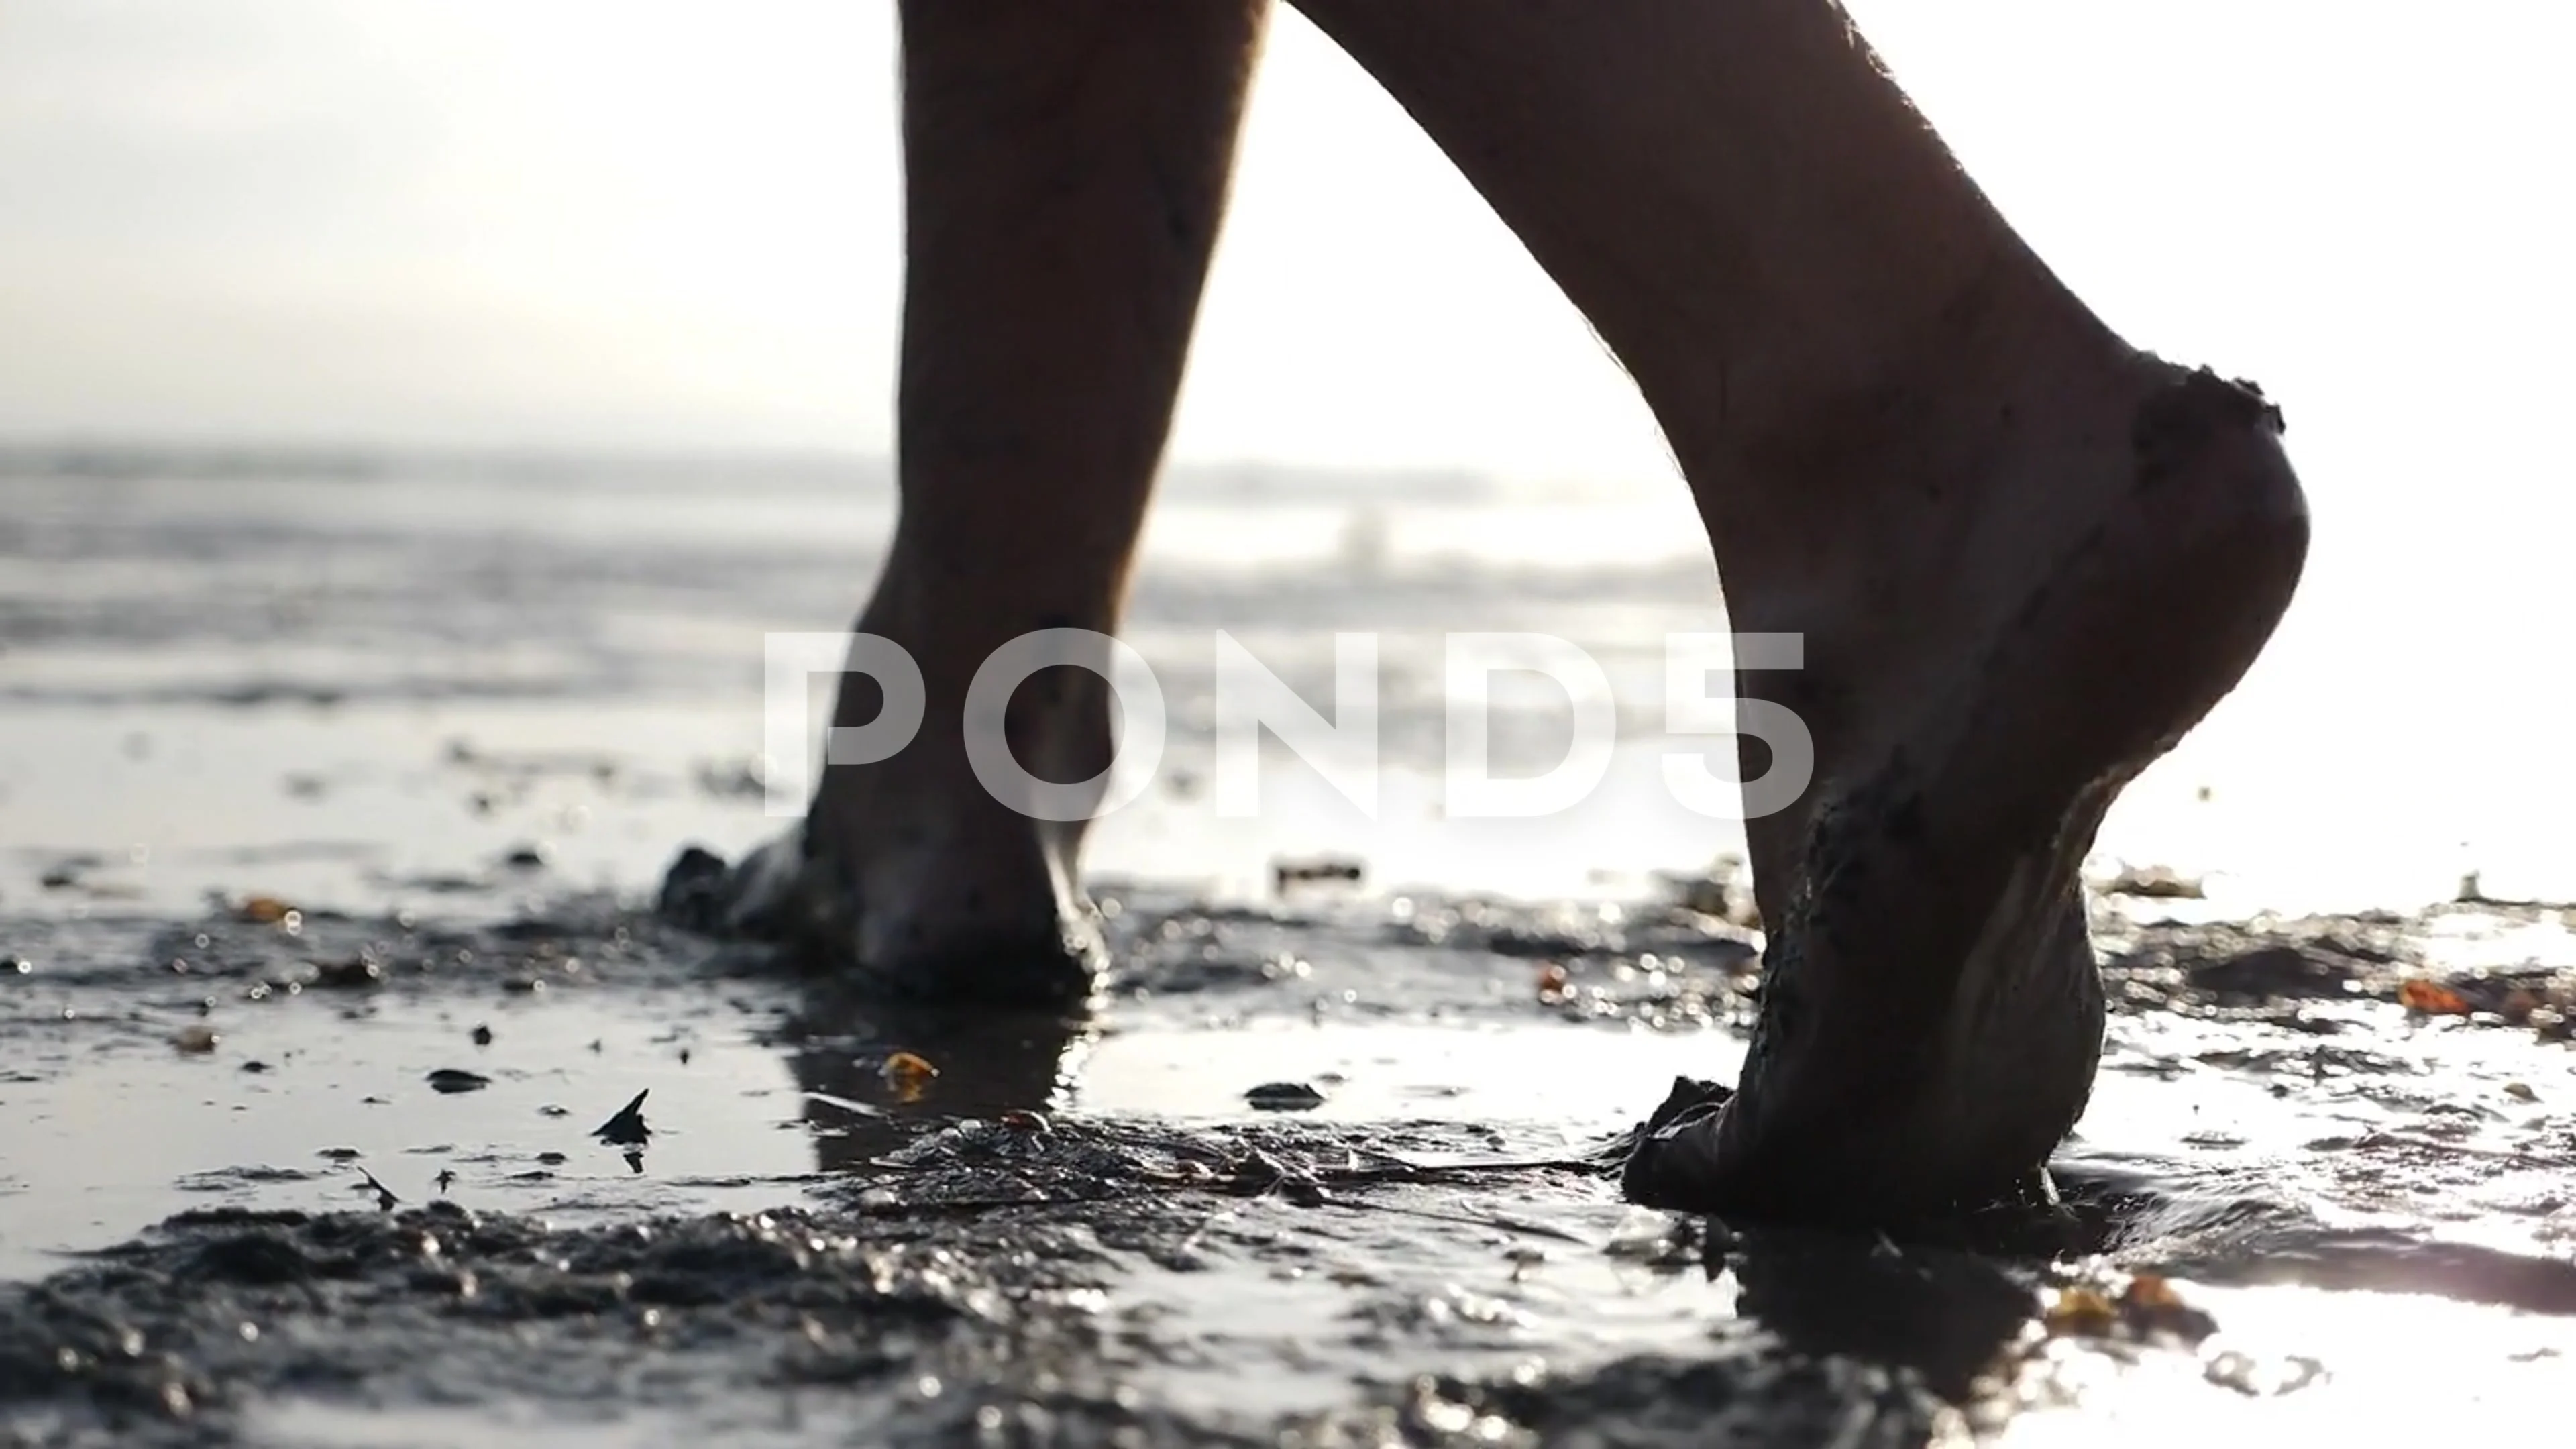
(781, 895)
(1931, 1014)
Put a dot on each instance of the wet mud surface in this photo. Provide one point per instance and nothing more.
(2328, 1164)
(1324, 1168)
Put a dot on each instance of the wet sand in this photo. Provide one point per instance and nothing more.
(1084, 1224)
(2340, 1143)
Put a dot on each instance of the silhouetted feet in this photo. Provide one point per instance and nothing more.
(2073, 589)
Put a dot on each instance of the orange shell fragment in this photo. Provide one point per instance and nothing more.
(2080, 1313)
(2432, 999)
(263, 910)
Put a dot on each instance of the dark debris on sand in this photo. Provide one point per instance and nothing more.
(998, 1258)
(2276, 972)
(978, 1274)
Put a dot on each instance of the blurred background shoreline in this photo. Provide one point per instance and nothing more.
(371, 671)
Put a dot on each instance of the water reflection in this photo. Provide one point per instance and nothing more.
(840, 1046)
(1946, 1313)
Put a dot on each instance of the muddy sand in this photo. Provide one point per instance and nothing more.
(334, 808)
(386, 1213)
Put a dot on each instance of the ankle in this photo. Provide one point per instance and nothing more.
(2009, 390)
(1969, 351)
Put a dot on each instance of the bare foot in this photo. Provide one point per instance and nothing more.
(2023, 556)
(1065, 170)
(912, 876)
(2090, 571)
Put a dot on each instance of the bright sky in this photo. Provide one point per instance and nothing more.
(635, 224)
(644, 224)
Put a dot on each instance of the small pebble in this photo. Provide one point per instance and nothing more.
(355, 974)
(1284, 1097)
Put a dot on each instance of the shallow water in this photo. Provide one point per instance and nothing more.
(462, 742)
